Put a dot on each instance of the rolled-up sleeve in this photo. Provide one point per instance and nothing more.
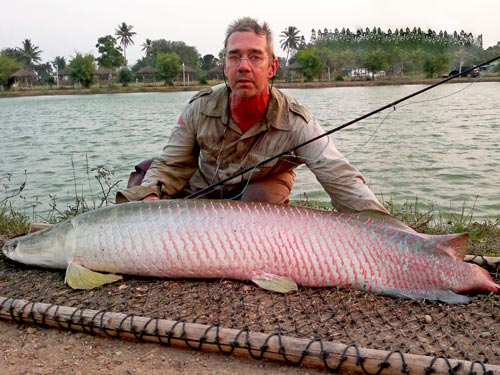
(177, 163)
(344, 184)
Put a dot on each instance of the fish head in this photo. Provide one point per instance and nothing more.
(51, 247)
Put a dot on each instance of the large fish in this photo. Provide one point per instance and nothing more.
(275, 246)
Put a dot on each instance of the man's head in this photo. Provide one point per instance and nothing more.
(248, 24)
(249, 60)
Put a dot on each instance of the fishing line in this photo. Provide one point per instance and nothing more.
(289, 158)
(479, 78)
(393, 104)
(377, 129)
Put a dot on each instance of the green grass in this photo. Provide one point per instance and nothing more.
(12, 223)
(14, 219)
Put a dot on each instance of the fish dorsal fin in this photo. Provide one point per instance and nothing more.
(387, 219)
(275, 283)
(454, 245)
(78, 277)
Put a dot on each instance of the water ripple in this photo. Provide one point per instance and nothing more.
(439, 148)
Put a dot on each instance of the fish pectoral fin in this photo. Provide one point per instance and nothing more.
(79, 277)
(275, 283)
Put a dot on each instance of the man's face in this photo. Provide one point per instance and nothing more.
(248, 77)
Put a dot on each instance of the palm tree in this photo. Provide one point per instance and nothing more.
(290, 40)
(59, 62)
(30, 53)
(125, 34)
(147, 47)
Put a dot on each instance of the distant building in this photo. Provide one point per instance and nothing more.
(216, 73)
(24, 78)
(186, 75)
(146, 75)
(104, 76)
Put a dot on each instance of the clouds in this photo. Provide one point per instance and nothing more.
(60, 27)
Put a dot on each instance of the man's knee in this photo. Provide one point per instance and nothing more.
(273, 189)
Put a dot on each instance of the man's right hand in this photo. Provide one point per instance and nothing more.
(150, 197)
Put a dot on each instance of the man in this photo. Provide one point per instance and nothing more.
(229, 128)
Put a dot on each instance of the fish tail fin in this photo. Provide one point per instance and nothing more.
(491, 286)
(481, 280)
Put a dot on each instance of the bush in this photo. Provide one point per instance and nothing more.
(203, 80)
(81, 69)
(167, 67)
(125, 76)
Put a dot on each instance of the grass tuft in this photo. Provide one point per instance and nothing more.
(12, 223)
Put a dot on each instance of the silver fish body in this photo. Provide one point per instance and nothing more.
(257, 241)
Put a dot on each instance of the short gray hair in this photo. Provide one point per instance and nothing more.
(251, 24)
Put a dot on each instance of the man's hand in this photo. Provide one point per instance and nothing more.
(150, 197)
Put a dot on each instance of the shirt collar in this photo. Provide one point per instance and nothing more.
(277, 113)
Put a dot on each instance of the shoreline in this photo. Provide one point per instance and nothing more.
(137, 88)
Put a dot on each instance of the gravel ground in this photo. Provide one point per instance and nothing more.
(30, 350)
(466, 332)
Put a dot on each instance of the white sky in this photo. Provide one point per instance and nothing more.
(63, 27)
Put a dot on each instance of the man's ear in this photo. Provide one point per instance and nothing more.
(274, 68)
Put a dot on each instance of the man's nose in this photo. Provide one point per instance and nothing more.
(244, 64)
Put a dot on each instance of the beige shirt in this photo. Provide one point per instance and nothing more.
(206, 146)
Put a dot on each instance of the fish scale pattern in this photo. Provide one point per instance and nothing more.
(226, 239)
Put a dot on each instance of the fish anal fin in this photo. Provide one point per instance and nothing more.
(443, 295)
(275, 283)
(79, 277)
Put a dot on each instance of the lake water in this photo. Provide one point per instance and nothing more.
(442, 148)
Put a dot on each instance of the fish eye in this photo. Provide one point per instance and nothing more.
(11, 246)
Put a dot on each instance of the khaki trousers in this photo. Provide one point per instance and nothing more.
(275, 188)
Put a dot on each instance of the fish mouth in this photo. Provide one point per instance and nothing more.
(9, 248)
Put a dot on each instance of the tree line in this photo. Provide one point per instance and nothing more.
(402, 52)
(337, 53)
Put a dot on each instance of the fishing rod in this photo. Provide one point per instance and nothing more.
(211, 187)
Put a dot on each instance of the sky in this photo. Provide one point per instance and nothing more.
(64, 27)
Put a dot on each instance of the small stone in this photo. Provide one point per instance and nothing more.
(427, 319)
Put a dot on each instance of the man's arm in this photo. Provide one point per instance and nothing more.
(343, 182)
(170, 172)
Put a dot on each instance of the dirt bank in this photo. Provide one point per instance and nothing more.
(29, 350)
(296, 85)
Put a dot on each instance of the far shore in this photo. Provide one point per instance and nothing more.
(141, 88)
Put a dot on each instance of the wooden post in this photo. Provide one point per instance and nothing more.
(310, 353)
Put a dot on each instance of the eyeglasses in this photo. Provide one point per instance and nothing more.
(254, 60)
